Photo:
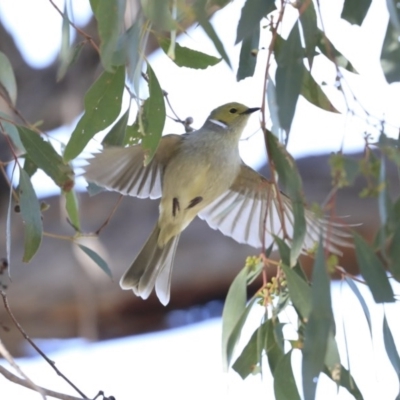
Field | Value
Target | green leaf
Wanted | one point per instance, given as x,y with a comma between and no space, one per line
372,270
11,131
46,158
300,292
30,212
132,134
390,55
116,136
29,166
284,383
72,207
248,55
273,350
102,106
154,115
8,219
234,307
314,94
308,19
199,9
360,298
97,259
159,14
291,181
394,13
327,48
390,346
354,11
318,326
394,254
250,358
7,79
65,51
253,12
332,358
110,18
185,57
289,76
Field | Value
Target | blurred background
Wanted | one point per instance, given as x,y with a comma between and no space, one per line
104,338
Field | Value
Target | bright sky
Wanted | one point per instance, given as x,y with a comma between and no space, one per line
186,362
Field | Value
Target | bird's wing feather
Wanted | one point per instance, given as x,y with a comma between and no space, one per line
251,212
122,169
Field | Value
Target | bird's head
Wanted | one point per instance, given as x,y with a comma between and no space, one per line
231,116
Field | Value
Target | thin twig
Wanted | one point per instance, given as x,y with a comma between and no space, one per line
30,341
105,223
28,382
43,391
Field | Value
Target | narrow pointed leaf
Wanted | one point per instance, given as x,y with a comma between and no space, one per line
132,134
314,94
72,208
327,48
252,13
11,130
46,158
390,55
284,383
394,13
30,212
65,51
289,76
248,55
7,79
332,358
372,270
116,136
159,14
394,254
235,305
109,16
250,358
347,381
353,286
102,106
202,18
318,326
308,19
390,346
97,259
300,292
8,221
154,115
291,181
273,350
185,57
354,11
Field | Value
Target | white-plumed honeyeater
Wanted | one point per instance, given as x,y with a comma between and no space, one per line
200,173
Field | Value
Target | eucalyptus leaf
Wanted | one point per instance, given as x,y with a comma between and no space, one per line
153,117
116,136
102,106
253,12
202,18
318,327
65,51
248,55
390,55
354,11
284,383
11,130
31,215
308,20
159,14
72,208
110,18
372,270
97,259
7,79
390,346
273,350
46,158
185,57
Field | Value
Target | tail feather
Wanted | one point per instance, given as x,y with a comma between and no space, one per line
152,267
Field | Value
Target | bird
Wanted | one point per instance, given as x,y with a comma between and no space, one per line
201,174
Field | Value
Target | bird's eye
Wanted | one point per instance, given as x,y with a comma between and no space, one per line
233,110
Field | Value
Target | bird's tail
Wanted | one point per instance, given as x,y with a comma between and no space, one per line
152,267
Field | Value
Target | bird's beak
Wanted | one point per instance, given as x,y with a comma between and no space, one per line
251,110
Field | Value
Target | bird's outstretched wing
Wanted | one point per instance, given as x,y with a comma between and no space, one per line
251,212
121,169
